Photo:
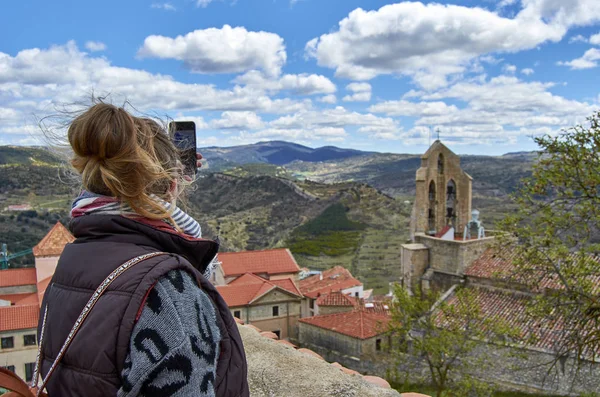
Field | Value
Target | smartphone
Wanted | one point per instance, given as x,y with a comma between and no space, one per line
183,135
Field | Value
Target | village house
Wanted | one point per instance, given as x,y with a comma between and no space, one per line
21,293
360,333
271,305
336,279
275,264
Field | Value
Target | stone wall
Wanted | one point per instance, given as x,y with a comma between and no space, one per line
452,256
414,259
334,341
509,369
324,310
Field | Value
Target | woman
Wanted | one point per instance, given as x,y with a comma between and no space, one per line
161,329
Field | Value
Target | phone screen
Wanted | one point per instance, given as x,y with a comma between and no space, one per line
183,134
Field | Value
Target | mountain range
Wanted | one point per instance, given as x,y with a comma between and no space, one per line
330,206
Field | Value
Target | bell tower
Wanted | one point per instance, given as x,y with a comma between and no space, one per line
443,193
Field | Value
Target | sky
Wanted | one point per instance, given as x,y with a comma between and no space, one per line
486,75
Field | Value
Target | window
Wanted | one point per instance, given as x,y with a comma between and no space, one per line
356,294
275,311
238,314
10,368
311,303
29,367
378,345
29,340
7,343
278,333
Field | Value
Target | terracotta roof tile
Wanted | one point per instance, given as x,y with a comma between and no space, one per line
358,324
19,317
54,242
511,309
335,299
500,265
334,279
249,287
275,261
18,277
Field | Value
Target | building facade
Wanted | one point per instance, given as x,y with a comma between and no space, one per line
21,293
271,305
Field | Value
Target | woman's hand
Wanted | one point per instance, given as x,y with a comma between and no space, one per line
198,165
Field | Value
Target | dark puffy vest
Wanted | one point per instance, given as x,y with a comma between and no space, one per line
93,363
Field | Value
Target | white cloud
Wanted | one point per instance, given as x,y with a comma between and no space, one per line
225,50
527,71
164,6
301,84
406,108
496,111
35,81
338,117
587,61
595,39
328,99
95,46
203,3
431,42
578,38
361,92
237,121
506,3
509,68
329,134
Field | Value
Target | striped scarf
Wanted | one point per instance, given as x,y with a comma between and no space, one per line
94,204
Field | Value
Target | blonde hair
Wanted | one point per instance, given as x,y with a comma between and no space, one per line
127,157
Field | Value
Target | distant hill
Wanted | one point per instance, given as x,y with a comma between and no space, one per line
273,152
18,155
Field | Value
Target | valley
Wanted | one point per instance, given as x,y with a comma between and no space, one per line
351,210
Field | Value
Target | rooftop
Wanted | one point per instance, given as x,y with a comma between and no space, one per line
332,280
18,277
274,261
360,324
19,317
336,299
54,242
248,288
509,308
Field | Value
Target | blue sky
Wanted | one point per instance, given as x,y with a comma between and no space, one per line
371,75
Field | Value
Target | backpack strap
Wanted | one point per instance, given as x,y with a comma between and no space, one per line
84,313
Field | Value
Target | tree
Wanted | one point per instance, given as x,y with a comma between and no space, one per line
444,334
557,231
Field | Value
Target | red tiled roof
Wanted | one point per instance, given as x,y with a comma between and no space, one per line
358,324
334,279
443,231
18,277
19,317
249,287
274,261
21,299
510,309
500,265
54,242
335,299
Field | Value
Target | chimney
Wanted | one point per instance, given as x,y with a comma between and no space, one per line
320,276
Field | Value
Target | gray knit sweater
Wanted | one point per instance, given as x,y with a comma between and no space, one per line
174,346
